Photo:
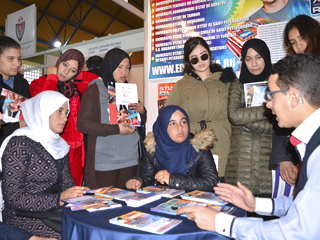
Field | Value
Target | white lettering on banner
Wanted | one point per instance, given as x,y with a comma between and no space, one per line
167,69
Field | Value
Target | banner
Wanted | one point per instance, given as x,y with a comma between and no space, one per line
22,27
225,25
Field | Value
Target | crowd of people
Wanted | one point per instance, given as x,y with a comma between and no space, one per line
66,145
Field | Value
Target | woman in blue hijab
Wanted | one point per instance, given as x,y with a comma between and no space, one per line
176,158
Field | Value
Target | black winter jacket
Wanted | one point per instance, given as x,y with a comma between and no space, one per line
201,174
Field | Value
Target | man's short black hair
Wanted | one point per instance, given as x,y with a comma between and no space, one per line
94,62
301,71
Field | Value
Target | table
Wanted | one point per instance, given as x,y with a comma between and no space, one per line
84,225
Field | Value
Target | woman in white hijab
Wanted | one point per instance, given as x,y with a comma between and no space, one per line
36,176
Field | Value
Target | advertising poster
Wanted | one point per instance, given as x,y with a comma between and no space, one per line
164,90
22,27
225,25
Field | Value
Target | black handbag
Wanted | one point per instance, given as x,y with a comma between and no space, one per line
51,218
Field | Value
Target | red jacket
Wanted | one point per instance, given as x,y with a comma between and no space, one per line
70,134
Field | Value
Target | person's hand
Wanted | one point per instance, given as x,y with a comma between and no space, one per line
122,116
204,217
239,196
163,177
133,184
137,107
1,116
76,191
288,172
41,238
126,128
52,70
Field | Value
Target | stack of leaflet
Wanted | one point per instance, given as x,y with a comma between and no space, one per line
163,191
133,199
113,192
145,222
91,203
139,199
202,196
171,206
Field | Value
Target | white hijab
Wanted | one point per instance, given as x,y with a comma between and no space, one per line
36,112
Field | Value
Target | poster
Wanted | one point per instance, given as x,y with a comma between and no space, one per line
164,90
225,25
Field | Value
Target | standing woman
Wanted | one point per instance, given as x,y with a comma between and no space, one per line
203,94
113,154
60,78
251,139
36,176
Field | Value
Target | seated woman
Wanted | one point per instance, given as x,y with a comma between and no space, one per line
36,176
173,158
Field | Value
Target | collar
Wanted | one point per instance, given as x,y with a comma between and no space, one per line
307,128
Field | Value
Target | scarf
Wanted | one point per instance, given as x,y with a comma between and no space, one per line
36,112
111,61
260,47
172,156
68,88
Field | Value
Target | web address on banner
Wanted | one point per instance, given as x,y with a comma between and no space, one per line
167,69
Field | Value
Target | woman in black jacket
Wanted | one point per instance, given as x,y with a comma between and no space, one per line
173,158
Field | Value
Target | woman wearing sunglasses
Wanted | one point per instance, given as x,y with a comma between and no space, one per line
251,136
203,94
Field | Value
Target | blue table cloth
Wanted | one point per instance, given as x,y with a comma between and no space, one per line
81,225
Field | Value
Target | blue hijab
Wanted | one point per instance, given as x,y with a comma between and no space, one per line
172,156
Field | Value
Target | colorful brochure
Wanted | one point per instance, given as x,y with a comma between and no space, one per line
10,103
255,93
113,192
145,222
171,206
139,199
163,191
202,196
91,203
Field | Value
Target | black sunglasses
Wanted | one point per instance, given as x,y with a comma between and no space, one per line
203,57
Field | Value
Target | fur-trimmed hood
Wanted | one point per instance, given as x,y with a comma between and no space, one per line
200,141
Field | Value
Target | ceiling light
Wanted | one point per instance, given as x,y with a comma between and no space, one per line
57,44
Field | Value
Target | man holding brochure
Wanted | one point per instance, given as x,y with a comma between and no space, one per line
294,97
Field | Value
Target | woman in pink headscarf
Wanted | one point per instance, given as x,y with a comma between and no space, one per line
60,78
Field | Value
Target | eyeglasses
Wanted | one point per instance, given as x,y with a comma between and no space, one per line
203,57
269,94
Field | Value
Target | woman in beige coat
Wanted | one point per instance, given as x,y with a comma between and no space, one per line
203,94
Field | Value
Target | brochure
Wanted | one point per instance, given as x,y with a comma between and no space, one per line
171,206
11,105
139,199
202,196
163,191
91,203
113,192
145,222
119,110
255,93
